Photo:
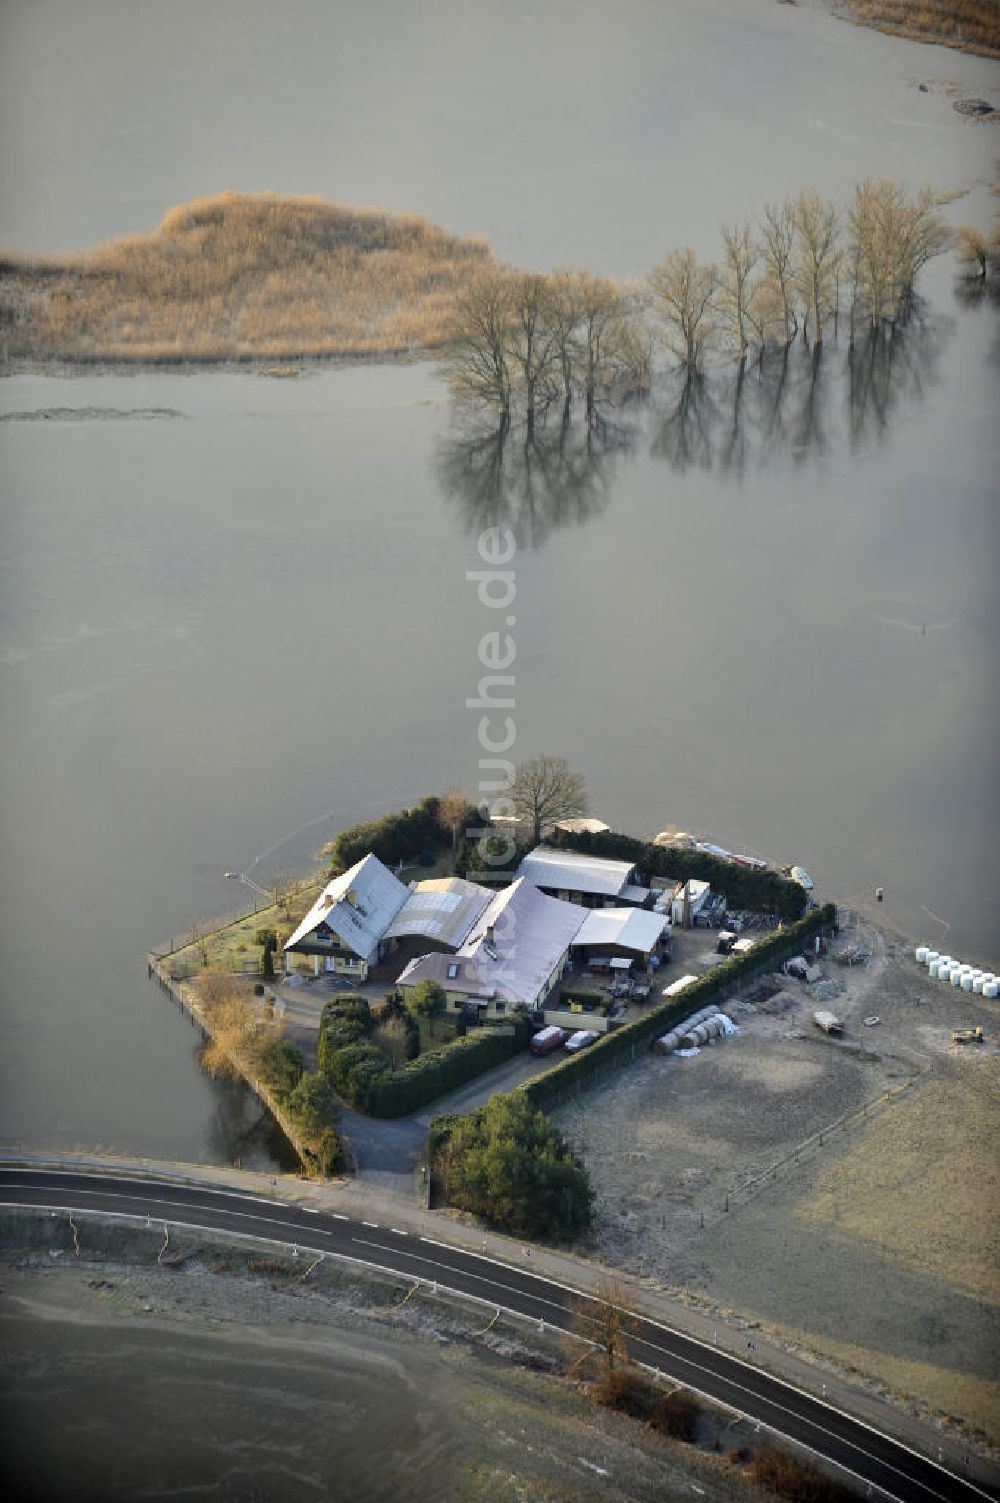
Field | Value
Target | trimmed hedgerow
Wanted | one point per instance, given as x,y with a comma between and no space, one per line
360,1072
764,890
438,1071
573,1070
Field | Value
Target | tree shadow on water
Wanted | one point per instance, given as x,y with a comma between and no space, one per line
799,404
558,476
241,1131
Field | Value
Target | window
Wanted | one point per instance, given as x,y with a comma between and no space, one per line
501,1007
452,970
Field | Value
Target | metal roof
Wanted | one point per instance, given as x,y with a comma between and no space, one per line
545,867
512,949
630,928
584,826
358,906
440,908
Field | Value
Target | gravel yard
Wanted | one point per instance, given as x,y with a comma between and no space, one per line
839,1191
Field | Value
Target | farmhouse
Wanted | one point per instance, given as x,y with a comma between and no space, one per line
344,929
592,881
512,957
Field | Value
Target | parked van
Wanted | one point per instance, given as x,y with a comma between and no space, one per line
547,1040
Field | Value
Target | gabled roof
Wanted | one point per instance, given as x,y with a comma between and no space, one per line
545,867
512,949
440,908
630,928
358,906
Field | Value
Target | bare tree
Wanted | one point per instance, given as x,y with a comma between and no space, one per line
454,809
777,293
476,357
973,248
817,258
683,294
532,348
545,790
606,1322
738,288
892,237
564,313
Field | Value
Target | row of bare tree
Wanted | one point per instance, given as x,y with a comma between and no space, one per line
525,341
519,338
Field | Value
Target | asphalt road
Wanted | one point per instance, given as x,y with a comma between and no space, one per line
871,1456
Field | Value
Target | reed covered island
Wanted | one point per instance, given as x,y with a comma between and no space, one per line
242,276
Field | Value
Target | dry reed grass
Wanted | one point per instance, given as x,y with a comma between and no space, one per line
240,276
968,25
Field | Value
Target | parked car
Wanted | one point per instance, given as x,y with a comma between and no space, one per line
580,1040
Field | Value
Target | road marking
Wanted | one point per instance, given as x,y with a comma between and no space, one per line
372,1224
804,1420
399,1231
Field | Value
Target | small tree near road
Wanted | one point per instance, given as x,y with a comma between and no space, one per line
606,1322
545,790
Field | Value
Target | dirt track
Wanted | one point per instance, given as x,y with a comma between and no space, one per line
859,1174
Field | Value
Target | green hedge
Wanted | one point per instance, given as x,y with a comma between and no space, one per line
437,1071
360,1072
403,836
766,891
623,1041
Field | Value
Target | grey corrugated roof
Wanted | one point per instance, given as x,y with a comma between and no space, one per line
632,928
545,867
530,935
441,908
378,897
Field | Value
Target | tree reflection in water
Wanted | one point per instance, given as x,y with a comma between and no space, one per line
558,476
798,406
242,1132
799,403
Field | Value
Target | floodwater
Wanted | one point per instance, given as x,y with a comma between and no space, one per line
765,614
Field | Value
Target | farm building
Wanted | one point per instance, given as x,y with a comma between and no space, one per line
513,956
631,933
592,881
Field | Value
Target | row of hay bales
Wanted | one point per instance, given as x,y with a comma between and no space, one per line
693,1032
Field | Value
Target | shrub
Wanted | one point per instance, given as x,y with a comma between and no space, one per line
281,1066
404,836
266,938
625,1389
509,1165
312,1104
258,988
676,1414
797,1481
344,1020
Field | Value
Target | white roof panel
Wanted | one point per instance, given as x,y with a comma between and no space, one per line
631,928
357,906
568,870
442,908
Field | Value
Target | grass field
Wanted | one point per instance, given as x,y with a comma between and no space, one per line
843,1194
241,276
